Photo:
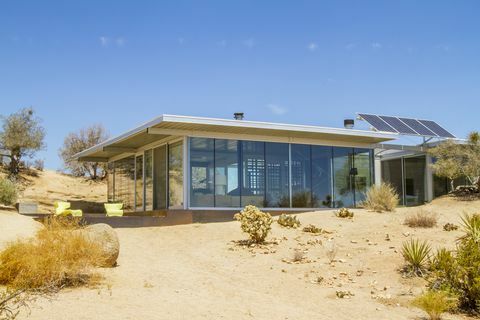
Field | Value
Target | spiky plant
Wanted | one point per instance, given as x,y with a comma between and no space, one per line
434,303
471,227
416,255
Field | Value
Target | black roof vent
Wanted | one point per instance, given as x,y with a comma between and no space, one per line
348,123
238,115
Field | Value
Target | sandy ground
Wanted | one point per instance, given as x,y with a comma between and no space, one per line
14,226
197,272
50,186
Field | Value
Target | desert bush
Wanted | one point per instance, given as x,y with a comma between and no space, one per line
56,257
8,192
381,198
434,303
344,213
450,227
288,221
471,227
255,222
421,219
416,256
298,255
312,229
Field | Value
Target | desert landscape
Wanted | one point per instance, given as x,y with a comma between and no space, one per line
205,271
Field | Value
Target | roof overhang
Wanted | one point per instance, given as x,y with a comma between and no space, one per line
166,126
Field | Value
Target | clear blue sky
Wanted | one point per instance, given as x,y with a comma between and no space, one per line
121,63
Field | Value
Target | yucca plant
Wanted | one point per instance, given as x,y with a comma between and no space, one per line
471,227
416,254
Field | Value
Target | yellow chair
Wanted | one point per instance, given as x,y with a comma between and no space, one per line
114,209
62,208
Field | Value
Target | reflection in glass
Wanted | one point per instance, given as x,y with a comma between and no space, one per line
139,183
363,173
321,176
125,182
110,181
301,176
149,180
175,175
227,187
392,174
253,175
201,172
160,178
414,180
342,183
277,175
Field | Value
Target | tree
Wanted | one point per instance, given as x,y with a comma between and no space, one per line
76,142
21,135
454,160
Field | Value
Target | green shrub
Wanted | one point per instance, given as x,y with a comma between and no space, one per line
344,213
471,227
416,255
312,229
8,192
255,222
421,219
381,198
434,303
288,221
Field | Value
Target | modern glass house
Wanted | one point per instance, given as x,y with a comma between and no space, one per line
192,163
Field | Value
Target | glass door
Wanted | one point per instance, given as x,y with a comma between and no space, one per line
160,178
139,183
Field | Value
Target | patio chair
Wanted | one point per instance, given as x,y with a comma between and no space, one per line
114,209
62,208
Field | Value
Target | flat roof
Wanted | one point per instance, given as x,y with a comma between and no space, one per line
174,125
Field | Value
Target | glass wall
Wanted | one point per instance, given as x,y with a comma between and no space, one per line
392,173
160,178
227,187
301,167
125,182
175,175
321,176
277,175
110,181
202,172
148,180
414,170
253,173
139,183
342,177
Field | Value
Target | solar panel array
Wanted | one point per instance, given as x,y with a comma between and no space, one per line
407,126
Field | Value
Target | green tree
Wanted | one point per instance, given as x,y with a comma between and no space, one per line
76,142
22,136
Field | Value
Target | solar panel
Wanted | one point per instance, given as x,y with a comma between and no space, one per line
398,125
436,128
418,127
407,126
377,123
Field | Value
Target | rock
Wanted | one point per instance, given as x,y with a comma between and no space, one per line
107,238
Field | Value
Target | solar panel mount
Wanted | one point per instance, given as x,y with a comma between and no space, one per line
406,126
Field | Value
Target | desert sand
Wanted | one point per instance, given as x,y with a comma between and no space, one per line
196,271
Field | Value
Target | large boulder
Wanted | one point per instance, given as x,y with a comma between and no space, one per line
106,237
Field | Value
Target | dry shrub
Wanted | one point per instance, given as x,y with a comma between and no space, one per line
56,257
288,221
255,222
421,219
450,227
381,198
344,213
434,303
312,229
298,256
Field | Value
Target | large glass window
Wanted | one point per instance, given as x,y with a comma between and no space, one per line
227,186
160,178
277,175
253,173
149,180
321,176
175,175
414,180
110,181
342,183
139,183
201,172
392,174
363,173
301,176
125,182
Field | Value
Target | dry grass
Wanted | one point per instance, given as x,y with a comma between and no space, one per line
58,256
421,219
381,198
